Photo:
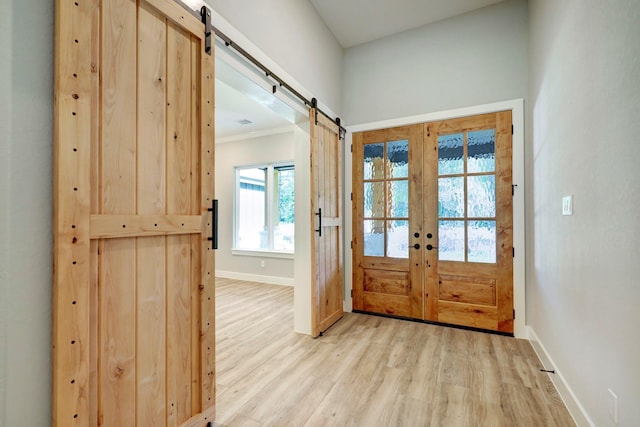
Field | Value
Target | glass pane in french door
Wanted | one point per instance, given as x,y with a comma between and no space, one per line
467,196
386,199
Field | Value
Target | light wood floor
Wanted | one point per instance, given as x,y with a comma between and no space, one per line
369,371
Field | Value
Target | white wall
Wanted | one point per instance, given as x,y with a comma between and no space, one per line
26,49
292,34
473,59
266,149
6,39
583,284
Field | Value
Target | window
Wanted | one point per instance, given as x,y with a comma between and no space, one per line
264,200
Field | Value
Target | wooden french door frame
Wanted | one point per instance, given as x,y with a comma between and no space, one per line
516,106
432,279
326,223
474,294
390,285
133,283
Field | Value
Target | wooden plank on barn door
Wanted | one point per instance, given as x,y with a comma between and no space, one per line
326,217
133,339
152,181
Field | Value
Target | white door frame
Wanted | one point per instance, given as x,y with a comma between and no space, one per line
517,110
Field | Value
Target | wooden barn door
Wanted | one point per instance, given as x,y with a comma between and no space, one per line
326,222
133,304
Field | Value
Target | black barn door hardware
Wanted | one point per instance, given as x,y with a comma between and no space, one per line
205,14
267,72
214,226
319,229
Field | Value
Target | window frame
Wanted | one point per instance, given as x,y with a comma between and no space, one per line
270,210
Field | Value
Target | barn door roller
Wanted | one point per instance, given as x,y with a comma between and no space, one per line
205,14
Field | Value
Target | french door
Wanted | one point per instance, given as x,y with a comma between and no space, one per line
433,222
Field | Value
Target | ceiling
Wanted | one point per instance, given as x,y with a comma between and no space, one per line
237,114
354,22
244,109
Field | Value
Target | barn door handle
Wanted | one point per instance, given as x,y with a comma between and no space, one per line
429,247
214,226
319,215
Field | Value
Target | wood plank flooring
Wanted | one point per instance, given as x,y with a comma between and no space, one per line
369,371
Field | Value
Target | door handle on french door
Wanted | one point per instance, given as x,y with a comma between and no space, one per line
214,226
319,229
429,247
416,246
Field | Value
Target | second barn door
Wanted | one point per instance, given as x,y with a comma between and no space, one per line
326,223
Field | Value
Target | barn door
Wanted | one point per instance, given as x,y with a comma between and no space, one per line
133,302
326,223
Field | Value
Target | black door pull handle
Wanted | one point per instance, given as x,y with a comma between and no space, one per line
429,247
416,246
319,230
214,227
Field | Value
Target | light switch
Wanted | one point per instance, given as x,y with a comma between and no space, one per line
567,205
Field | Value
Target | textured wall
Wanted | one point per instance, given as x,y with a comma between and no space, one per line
583,271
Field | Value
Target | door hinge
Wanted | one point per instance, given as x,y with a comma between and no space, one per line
514,313
205,15
351,148
352,244
511,129
351,293
513,189
351,196
513,252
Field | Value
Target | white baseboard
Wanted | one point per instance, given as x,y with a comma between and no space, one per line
577,411
271,280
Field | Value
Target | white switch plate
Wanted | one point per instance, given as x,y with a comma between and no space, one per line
567,205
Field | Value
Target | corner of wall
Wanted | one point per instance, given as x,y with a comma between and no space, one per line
6,40
302,263
27,33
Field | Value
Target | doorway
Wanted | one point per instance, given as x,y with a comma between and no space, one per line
433,222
